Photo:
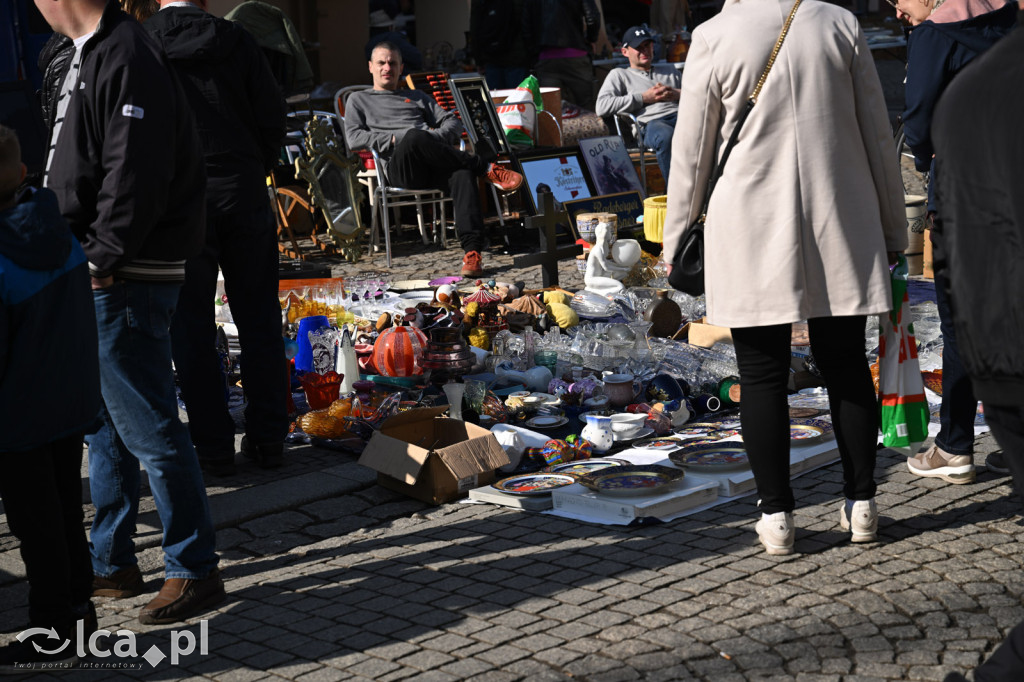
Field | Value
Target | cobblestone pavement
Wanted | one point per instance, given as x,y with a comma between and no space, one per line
331,577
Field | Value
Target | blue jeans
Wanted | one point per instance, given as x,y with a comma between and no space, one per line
504,77
658,136
956,415
140,424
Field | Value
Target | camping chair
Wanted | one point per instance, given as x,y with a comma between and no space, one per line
628,123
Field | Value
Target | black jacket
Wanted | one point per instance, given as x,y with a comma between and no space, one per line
54,60
238,106
979,155
49,362
128,169
560,23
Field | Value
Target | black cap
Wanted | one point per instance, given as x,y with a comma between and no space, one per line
635,36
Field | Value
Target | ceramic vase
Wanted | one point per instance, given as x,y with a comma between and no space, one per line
599,432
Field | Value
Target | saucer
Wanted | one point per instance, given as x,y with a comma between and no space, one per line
546,422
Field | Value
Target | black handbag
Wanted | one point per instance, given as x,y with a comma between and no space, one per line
688,265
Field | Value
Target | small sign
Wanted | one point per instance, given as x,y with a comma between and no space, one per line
628,206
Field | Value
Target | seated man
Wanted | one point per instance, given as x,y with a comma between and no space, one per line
419,137
647,91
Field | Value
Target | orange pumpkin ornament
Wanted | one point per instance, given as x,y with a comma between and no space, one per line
398,350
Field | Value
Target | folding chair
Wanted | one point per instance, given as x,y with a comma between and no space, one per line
628,123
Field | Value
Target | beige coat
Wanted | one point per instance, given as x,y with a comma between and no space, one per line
811,197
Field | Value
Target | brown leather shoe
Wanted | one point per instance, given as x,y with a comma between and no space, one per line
181,598
121,584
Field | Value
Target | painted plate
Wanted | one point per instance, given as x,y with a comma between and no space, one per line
805,412
933,381
669,443
452,279
642,433
546,422
711,457
634,479
705,431
410,284
809,429
533,484
585,466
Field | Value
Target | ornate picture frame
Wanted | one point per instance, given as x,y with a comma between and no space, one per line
477,110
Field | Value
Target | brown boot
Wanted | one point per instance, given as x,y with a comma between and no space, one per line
121,584
181,598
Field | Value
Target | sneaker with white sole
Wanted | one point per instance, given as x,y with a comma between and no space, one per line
860,517
937,463
776,533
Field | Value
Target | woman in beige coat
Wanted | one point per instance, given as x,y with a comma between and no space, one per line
798,226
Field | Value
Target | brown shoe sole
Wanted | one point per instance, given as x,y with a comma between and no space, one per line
147,618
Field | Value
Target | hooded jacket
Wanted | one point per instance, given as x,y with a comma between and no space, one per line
935,54
239,110
127,170
49,362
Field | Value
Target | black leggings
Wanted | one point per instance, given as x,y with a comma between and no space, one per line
763,354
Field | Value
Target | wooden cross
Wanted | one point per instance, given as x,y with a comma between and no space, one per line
550,253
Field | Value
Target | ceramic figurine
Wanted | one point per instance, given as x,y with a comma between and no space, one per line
599,432
603,276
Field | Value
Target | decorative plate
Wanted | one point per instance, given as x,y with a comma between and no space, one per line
642,433
440,281
410,284
634,479
533,484
711,457
809,429
585,466
705,431
546,398
933,381
669,443
546,422
805,412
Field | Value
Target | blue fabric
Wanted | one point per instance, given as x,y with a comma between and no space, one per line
140,424
504,77
47,328
658,136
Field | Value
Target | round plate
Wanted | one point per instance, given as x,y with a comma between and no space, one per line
669,443
711,457
634,479
805,412
410,284
533,484
642,433
809,429
933,381
546,422
546,398
411,298
585,466
440,281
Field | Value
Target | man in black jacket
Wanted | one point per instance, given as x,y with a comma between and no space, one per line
125,164
240,117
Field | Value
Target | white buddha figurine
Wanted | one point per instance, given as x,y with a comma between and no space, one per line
603,275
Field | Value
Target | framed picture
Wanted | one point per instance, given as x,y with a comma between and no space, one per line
626,205
609,164
559,171
479,116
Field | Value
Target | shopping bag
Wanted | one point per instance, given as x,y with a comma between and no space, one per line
518,113
903,408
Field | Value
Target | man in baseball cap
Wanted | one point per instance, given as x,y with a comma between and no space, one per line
649,92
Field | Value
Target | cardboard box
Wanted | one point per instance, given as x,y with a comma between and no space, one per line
706,335
579,502
432,458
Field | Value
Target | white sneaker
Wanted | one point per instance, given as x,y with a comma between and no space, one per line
861,518
776,533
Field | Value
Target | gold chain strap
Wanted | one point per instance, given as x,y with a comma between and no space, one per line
775,52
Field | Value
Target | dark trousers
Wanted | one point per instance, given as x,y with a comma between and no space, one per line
244,245
42,494
573,75
959,405
763,355
424,161
1007,424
